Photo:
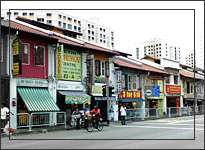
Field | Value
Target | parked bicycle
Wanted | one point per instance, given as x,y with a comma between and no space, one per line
92,123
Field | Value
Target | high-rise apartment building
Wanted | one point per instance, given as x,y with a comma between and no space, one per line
190,59
158,48
90,30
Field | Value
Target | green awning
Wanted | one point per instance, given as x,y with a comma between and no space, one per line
38,99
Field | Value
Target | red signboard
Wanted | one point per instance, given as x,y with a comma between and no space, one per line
131,94
173,89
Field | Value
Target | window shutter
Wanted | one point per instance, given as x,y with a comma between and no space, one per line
107,72
97,67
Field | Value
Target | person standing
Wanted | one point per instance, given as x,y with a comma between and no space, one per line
86,113
123,114
68,116
4,112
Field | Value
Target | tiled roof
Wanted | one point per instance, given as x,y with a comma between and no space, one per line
66,41
149,56
187,73
17,26
144,67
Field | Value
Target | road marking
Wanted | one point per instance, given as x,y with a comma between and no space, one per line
155,127
163,123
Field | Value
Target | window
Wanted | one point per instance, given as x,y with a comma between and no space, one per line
75,28
159,44
16,13
59,16
159,47
64,25
88,26
64,17
135,84
102,68
88,38
48,21
31,14
104,36
112,39
97,67
104,41
79,29
188,87
26,51
59,23
39,53
70,26
168,80
40,19
92,33
88,32
129,82
93,26
175,79
192,88
24,14
100,29
151,45
79,23
49,14
154,82
93,38
2,50
156,44
103,30
100,35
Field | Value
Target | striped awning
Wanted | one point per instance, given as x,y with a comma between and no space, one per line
132,99
37,99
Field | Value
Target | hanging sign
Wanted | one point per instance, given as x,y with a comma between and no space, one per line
17,57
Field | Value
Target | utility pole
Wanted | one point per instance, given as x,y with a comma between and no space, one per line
108,102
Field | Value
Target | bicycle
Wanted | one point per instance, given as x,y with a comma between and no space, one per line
93,124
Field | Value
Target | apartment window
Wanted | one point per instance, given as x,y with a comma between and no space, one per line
64,25
156,48
24,14
100,35
26,51
75,28
159,47
2,50
151,52
175,79
79,29
48,21
75,21
49,14
88,38
79,23
64,17
104,36
103,41
100,29
88,32
151,45
69,19
156,44
92,26
92,33
159,44
70,26
88,26
59,16
100,41
92,38
103,30
59,23
31,14
16,13
112,38
39,54
40,19
112,33
148,46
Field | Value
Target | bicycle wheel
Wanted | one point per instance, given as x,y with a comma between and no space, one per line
90,126
100,126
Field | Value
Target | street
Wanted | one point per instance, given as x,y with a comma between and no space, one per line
135,135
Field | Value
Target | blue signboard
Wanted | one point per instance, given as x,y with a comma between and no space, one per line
156,91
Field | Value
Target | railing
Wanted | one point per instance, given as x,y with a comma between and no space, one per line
145,113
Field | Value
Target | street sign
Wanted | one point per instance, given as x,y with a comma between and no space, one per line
156,91
149,91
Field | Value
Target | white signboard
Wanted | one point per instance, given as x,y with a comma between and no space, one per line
32,82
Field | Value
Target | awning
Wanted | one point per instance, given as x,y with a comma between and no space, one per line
189,99
76,97
37,99
131,99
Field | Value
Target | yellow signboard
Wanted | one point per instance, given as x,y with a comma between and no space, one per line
17,57
160,106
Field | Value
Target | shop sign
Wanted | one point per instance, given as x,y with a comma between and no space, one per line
160,106
68,64
161,97
77,100
155,77
100,98
32,82
90,73
17,57
67,86
131,94
97,89
100,79
189,96
152,91
173,89
119,80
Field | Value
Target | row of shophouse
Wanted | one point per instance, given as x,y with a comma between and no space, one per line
42,70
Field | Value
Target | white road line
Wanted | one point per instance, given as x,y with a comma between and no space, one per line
155,127
199,118
164,124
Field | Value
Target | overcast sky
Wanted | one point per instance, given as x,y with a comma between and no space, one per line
134,26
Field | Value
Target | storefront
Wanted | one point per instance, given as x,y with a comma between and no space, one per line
71,96
188,100
173,95
33,96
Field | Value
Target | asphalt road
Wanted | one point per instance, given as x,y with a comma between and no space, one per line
169,133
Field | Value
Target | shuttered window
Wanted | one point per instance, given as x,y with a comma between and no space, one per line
97,67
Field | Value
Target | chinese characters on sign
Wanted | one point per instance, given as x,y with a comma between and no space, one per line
90,73
173,89
17,57
119,79
68,66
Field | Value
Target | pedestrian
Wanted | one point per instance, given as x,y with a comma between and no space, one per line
68,116
4,112
123,114
86,113
78,117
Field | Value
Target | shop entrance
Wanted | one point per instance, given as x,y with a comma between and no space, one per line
171,102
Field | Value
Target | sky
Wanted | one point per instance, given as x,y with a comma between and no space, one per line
133,26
